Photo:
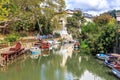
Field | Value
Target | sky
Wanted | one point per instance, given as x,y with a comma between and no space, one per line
94,7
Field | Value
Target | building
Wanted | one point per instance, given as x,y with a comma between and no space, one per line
88,17
63,20
118,17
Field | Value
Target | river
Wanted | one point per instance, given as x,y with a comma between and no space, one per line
63,63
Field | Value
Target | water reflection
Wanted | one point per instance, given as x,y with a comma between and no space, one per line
57,64
66,51
90,76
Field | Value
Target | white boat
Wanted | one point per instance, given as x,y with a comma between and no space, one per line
35,50
51,41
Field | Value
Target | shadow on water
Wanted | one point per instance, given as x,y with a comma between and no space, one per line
58,64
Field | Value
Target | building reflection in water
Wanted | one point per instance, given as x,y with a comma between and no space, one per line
65,51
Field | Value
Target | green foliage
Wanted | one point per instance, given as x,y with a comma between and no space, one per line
83,45
35,15
90,27
106,40
76,20
74,23
57,34
23,34
102,39
102,20
11,38
4,10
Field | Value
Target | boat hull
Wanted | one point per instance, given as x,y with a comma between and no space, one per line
101,56
35,50
116,72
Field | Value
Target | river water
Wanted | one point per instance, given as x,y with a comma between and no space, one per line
63,63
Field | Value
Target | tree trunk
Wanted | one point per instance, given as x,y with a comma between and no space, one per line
40,30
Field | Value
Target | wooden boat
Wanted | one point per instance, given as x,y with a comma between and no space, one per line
43,44
12,52
116,72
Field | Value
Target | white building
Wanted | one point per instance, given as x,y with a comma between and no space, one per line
63,20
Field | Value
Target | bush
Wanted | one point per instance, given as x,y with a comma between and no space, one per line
23,34
56,34
83,45
11,38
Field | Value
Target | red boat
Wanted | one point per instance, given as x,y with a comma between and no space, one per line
117,65
12,52
76,45
43,44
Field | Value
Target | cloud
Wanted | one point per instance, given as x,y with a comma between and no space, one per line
95,6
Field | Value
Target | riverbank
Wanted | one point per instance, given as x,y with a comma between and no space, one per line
27,43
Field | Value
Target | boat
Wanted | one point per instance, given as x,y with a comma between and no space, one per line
110,61
76,45
117,65
35,50
51,41
101,56
116,72
43,44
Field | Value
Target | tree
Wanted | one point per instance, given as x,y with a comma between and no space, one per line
38,12
102,20
76,20
4,10
74,23
55,8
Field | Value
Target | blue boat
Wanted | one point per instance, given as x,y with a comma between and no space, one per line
35,50
101,56
116,72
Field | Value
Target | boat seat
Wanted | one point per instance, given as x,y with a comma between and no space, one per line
16,48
